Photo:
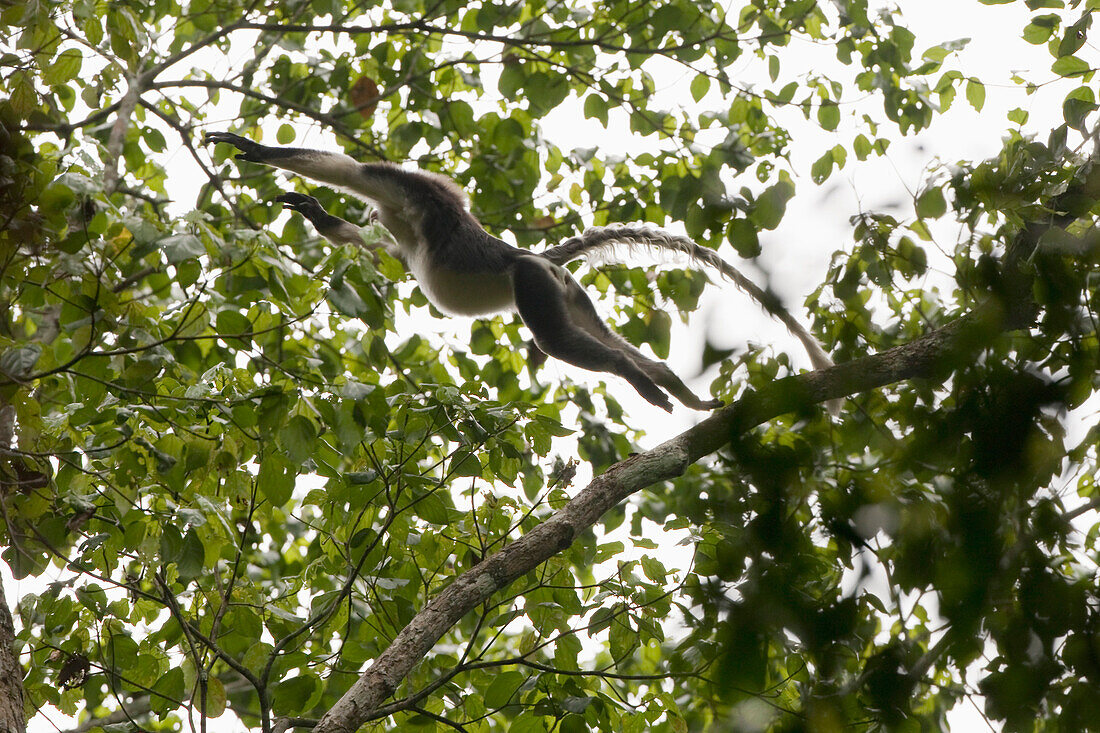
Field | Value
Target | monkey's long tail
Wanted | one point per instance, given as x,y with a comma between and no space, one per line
606,239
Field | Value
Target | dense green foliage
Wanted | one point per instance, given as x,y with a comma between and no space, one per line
238,480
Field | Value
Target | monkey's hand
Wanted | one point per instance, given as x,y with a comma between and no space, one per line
301,203
250,150
312,210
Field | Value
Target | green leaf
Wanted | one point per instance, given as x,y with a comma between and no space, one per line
192,556
699,87
828,115
608,550
622,638
931,204
741,233
528,723
180,247
511,79
938,53
502,689
285,134
771,205
297,438
786,94
1069,66
232,323
275,479
171,543
465,463
65,67
1077,105
975,94
1038,34
215,698
346,299
359,478
432,508
93,29
653,569
659,333
23,98
861,146
293,696
595,107
1075,36
19,363
822,168
170,691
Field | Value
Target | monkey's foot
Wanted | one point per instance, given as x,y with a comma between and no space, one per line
652,393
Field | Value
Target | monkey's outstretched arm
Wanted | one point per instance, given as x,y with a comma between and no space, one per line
335,169
333,228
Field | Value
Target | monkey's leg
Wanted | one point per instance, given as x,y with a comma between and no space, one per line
543,304
584,314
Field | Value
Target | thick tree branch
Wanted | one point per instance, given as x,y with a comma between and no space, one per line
12,719
126,106
934,355
926,357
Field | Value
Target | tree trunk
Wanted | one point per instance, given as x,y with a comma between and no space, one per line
12,719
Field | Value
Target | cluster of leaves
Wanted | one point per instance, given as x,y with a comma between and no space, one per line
238,479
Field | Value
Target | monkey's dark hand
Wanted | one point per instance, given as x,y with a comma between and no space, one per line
250,150
307,206
299,202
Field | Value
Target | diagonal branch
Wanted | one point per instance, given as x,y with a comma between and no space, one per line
927,356
936,354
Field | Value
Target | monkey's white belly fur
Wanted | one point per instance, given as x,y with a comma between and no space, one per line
465,293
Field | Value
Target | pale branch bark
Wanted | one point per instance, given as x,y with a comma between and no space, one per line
111,174
136,85
322,118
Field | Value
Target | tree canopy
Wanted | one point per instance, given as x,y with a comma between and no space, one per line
248,488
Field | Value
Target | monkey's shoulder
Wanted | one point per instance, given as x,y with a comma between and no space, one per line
420,188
